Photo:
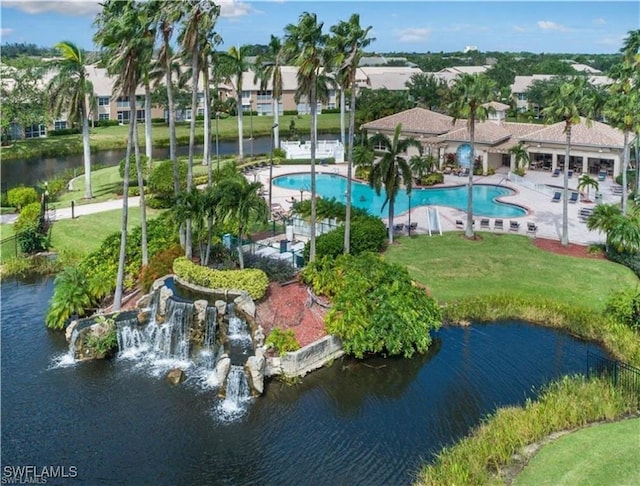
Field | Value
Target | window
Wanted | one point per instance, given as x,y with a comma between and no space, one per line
332,93
140,115
103,116
123,117
103,101
522,96
59,125
122,102
246,94
265,109
264,95
35,131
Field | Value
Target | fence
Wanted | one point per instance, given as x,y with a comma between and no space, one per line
623,376
9,248
521,181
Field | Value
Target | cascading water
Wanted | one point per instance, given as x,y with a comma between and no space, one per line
237,394
68,358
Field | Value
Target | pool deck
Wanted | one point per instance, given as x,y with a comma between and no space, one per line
547,215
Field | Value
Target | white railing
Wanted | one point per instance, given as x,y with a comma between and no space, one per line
521,181
324,149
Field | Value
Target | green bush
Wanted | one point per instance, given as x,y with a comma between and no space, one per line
20,196
161,179
28,218
363,172
279,153
71,297
328,160
283,341
31,240
624,307
251,280
133,173
432,179
105,123
56,187
376,308
160,264
64,131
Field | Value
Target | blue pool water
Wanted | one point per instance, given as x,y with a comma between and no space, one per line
485,197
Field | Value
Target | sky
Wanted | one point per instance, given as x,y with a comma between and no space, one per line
398,26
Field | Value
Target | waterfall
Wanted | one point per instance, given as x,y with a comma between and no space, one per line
210,327
237,394
180,317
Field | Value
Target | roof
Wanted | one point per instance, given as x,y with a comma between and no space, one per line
585,68
486,132
415,120
465,69
497,106
590,134
393,78
522,83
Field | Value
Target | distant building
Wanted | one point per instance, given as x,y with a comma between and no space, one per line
470,48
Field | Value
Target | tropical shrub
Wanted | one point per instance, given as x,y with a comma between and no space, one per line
624,307
133,173
251,280
29,218
376,308
19,197
368,233
160,182
283,341
432,179
70,297
160,264
56,187
31,240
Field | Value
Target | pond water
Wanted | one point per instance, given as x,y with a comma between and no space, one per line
368,423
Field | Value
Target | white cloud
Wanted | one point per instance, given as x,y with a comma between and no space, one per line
611,40
519,28
67,7
231,8
412,34
5,31
599,21
549,25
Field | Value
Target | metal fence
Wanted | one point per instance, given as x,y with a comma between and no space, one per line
9,248
622,375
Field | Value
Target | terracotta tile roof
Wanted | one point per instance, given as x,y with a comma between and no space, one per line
415,120
597,134
496,105
485,132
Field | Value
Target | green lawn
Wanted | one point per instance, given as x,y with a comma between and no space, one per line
104,138
85,234
453,267
601,455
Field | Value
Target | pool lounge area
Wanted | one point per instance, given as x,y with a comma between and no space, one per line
535,206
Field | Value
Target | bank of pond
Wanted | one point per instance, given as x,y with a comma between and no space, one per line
373,421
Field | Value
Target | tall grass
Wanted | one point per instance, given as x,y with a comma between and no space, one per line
481,458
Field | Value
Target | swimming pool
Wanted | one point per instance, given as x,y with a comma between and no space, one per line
485,201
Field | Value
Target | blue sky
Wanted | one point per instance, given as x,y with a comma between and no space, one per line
410,26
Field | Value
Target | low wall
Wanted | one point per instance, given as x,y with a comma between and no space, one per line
309,358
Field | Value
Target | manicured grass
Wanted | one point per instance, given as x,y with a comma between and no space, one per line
453,267
103,138
604,454
85,234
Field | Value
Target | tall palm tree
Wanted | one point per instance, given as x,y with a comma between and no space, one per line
200,17
304,44
269,71
240,200
568,102
350,40
71,92
392,169
623,231
470,93
234,63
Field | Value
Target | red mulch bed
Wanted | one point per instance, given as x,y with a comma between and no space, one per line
286,307
572,249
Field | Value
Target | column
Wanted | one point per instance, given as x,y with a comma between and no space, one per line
554,161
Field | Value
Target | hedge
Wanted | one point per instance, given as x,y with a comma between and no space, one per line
251,280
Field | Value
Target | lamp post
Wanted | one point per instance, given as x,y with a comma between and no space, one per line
217,144
251,126
301,191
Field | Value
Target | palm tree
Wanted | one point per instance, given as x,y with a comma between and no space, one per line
392,170
234,63
522,157
200,18
269,71
71,92
421,165
470,93
569,101
623,231
241,201
349,39
588,182
304,44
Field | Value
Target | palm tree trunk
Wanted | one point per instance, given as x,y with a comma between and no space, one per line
117,296
276,123
390,218
148,140
136,150
172,120
240,255
192,139
564,239
468,232
88,193
626,155
342,107
314,123
206,151
352,125
240,134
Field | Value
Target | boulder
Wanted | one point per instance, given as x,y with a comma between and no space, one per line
176,376
258,337
244,304
94,342
165,293
144,302
200,312
255,368
221,307
68,333
222,368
